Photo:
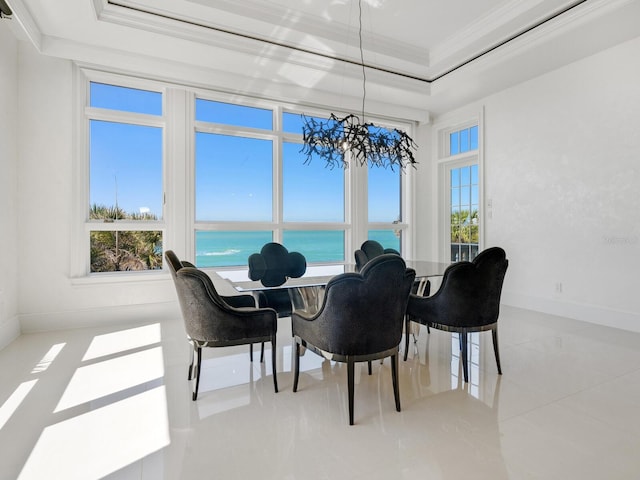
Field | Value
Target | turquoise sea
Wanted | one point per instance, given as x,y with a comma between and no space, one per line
225,249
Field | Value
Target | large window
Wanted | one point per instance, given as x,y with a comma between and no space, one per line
168,166
254,184
125,210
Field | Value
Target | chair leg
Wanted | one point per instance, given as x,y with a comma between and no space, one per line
494,334
296,367
197,372
350,382
193,359
394,378
262,352
407,326
273,361
251,352
369,366
463,355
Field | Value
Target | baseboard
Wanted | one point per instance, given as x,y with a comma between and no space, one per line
577,311
121,314
9,331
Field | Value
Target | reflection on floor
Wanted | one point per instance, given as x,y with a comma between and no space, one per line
114,403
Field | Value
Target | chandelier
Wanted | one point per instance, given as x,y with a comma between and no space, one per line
366,143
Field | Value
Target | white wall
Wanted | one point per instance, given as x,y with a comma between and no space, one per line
9,325
48,298
562,162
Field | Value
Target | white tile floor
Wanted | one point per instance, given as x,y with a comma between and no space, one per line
114,403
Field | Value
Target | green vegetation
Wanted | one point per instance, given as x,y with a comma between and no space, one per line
115,251
464,226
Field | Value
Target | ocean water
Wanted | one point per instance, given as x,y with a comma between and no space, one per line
226,249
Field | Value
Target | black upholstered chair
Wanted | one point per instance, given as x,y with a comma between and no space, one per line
371,249
360,320
212,320
368,250
273,266
468,300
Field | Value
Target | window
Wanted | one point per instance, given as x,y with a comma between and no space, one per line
125,211
384,203
231,114
168,165
462,141
463,185
234,178
316,245
460,183
228,248
318,200
250,174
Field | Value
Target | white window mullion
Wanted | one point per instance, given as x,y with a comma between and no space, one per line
278,194
79,247
178,184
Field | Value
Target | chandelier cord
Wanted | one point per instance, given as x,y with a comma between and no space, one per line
364,74
340,141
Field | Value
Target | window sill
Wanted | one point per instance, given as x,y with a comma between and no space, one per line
120,278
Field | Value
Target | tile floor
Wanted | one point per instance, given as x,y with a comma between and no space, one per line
115,403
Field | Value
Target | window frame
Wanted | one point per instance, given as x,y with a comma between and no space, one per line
178,224
80,258
355,224
447,162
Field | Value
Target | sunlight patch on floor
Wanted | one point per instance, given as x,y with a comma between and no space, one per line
12,403
48,358
123,340
102,441
97,380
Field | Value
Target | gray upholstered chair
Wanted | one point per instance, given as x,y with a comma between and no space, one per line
360,320
368,250
273,266
468,300
212,320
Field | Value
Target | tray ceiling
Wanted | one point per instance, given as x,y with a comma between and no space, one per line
429,47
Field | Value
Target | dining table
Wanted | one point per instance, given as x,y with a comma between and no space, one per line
307,291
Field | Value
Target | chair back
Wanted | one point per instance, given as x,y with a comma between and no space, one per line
204,312
469,295
173,261
364,311
274,264
368,251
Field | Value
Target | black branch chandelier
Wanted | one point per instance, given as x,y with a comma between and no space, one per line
365,143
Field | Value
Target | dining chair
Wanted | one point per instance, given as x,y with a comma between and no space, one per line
273,266
369,250
213,320
360,320
468,300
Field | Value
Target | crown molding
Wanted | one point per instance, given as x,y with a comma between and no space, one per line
274,14
335,43
23,16
566,19
482,27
